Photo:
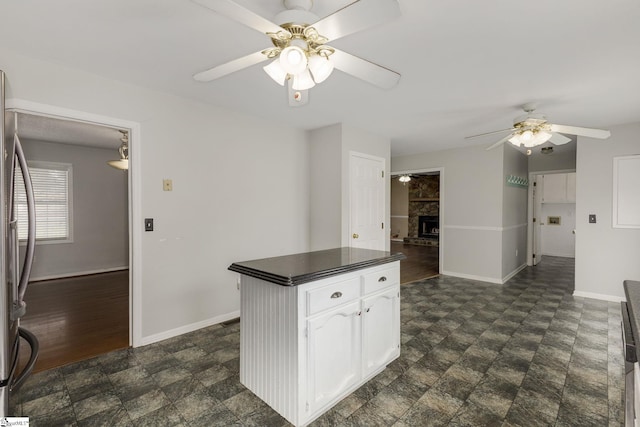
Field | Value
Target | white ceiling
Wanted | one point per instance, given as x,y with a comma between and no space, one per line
50,129
467,65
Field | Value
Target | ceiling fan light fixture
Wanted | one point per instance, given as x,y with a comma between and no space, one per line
293,60
276,72
123,162
303,81
529,138
321,67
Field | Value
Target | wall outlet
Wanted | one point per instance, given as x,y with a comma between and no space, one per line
167,185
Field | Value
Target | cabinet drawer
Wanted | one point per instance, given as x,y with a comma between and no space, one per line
332,295
381,279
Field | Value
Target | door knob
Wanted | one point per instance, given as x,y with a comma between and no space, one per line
355,235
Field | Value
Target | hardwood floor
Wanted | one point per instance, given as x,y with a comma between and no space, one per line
77,318
422,261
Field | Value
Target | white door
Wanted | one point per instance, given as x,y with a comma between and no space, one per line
333,354
380,329
367,202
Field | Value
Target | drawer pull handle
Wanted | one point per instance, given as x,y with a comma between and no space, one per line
336,295
382,279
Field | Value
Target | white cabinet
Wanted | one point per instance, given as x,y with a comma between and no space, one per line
559,188
304,348
381,329
333,354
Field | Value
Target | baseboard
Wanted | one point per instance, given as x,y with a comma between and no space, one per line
78,273
472,277
513,273
188,328
603,297
559,255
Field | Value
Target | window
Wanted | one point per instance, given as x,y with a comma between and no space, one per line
52,194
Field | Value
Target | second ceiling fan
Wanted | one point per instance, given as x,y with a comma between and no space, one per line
300,55
533,129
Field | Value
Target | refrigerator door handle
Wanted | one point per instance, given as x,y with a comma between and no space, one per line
18,307
31,215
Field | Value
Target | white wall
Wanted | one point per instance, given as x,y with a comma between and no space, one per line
558,240
514,213
564,160
325,174
604,256
100,213
471,208
330,149
240,190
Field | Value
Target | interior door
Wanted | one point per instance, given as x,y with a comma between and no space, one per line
367,202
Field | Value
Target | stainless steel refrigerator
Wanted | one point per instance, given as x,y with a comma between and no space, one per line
14,275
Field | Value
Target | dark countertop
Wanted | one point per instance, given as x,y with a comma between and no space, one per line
632,291
293,270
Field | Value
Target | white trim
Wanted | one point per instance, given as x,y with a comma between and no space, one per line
509,276
399,216
473,277
188,328
135,195
472,227
603,297
484,228
616,177
564,255
78,273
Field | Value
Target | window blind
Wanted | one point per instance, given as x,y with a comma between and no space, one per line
51,194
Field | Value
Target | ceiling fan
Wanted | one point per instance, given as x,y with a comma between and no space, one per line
532,129
299,52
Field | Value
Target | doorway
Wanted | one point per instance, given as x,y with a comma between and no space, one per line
416,223
552,215
78,300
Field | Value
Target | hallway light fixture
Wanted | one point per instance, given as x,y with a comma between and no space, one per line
404,179
123,162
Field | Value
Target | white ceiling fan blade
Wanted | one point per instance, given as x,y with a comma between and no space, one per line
240,14
230,67
365,70
574,130
502,141
489,133
357,17
558,139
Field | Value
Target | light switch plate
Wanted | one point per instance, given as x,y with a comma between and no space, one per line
592,218
148,224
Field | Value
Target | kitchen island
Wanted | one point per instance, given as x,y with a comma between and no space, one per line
316,326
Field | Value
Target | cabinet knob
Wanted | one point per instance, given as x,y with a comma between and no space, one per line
355,235
382,279
336,295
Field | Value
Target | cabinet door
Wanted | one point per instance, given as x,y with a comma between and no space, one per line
571,187
554,189
380,329
333,354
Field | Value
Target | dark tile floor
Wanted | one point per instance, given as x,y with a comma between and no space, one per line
527,353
